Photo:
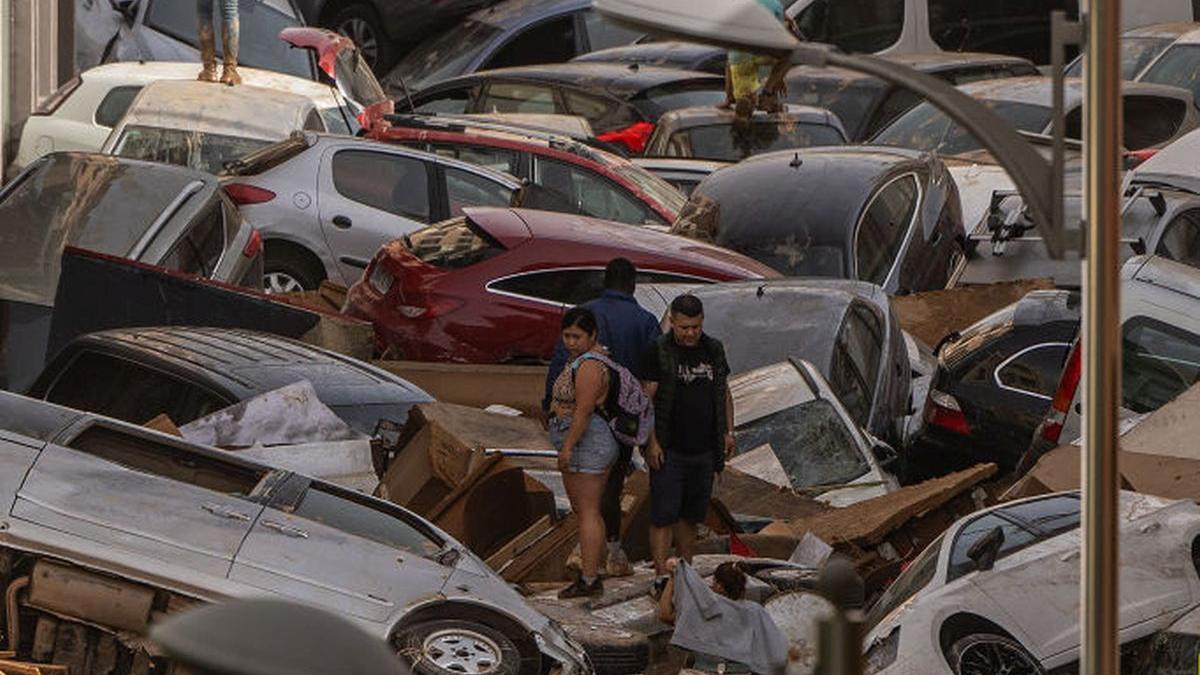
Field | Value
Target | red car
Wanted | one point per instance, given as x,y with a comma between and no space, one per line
491,286
572,176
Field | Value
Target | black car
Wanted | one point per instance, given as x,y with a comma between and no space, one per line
866,104
135,374
994,383
622,103
666,54
886,216
846,329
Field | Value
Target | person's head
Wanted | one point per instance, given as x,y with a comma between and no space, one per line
730,581
578,330
620,275
687,320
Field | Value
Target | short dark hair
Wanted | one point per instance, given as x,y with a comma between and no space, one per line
732,579
620,275
581,317
688,305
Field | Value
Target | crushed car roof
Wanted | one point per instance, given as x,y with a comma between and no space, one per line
245,111
619,80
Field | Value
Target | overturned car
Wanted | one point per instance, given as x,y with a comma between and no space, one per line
164,524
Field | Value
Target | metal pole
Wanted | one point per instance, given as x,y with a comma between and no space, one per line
1102,355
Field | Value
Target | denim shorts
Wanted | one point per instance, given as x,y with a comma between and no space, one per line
596,450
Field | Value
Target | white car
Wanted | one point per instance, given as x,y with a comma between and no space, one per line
998,592
81,114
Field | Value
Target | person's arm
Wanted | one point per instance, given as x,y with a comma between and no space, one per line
650,376
589,380
666,602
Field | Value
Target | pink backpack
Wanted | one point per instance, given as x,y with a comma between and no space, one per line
627,408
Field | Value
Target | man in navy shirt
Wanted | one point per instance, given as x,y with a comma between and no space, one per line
626,331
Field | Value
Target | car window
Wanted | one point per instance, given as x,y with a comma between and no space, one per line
392,183
449,102
496,159
1181,239
863,336
654,102
453,244
1151,120
443,57
850,384
260,46
730,143
552,41
603,33
929,129
570,287
198,150
602,113
1034,371
1047,517
898,102
157,458
883,226
1179,66
1017,27
464,189
518,97
114,104
129,391
589,193
1136,54
1015,538
313,121
363,517
199,249
865,27
812,443
919,573
1158,362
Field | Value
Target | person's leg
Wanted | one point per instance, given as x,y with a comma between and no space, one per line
588,489
617,564
666,500
697,475
230,38
685,540
660,544
208,41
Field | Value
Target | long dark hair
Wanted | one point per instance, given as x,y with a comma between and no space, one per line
580,317
732,579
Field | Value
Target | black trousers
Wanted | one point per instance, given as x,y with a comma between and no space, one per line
610,501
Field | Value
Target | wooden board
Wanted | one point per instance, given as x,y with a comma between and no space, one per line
546,559
744,494
27,668
519,543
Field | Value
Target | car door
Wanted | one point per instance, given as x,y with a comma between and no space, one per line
367,197
320,544
857,369
131,492
530,304
884,230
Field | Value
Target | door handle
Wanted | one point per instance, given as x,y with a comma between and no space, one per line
224,512
343,222
285,529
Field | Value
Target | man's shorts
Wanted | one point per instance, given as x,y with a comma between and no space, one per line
681,489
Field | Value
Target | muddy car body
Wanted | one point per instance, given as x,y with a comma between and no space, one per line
684,174
491,287
711,134
874,214
664,54
173,519
1142,46
622,103
999,590
189,372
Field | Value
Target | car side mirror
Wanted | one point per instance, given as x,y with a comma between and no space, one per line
984,551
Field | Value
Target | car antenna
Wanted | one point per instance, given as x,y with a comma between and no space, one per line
796,162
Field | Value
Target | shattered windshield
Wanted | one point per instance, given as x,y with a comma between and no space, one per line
929,129
728,143
812,443
198,150
442,57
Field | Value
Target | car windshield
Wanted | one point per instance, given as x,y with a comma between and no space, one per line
659,190
851,100
812,443
728,143
442,57
916,576
1136,53
198,150
261,23
1178,67
929,129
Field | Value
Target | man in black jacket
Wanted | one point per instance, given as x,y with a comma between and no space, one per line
686,374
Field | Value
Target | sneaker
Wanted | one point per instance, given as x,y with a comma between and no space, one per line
618,565
578,589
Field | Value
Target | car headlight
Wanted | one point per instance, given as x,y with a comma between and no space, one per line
882,652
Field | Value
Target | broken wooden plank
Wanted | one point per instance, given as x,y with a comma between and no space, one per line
744,494
9,667
519,543
546,559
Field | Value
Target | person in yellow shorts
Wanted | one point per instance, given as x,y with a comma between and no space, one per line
745,88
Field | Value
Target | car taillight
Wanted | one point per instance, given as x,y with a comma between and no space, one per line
633,136
253,245
1052,428
430,307
943,411
245,195
53,101
1135,157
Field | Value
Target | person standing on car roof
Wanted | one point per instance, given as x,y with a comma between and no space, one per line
745,91
687,375
626,330
230,35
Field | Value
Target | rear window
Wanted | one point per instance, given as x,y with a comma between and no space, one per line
1151,120
199,249
452,244
727,143
194,149
654,102
112,108
929,129
850,99
262,161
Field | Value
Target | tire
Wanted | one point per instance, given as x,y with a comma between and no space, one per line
288,270
991,654
362,24
453,647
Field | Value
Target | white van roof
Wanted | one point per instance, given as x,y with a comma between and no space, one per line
243,111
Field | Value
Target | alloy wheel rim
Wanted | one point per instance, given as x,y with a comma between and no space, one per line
461,651
994,657
281,282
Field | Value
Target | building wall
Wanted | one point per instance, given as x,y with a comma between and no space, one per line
37,54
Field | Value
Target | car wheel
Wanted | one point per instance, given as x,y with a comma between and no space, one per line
453,647
285,270
360,23
990,654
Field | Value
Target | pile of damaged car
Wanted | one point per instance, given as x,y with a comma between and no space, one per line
517,338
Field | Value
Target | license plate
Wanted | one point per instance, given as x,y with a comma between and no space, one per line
381,279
